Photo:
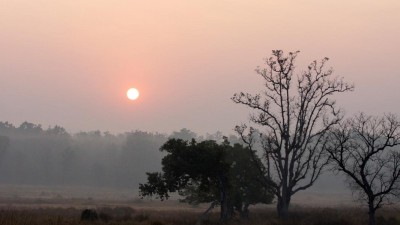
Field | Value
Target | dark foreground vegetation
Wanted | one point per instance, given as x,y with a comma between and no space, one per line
125,215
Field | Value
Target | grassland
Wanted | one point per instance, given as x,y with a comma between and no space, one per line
267,216
24,205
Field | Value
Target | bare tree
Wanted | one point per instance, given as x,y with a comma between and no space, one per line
362,148
293,115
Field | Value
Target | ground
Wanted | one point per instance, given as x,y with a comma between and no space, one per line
31,205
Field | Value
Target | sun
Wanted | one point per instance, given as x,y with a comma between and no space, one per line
132,93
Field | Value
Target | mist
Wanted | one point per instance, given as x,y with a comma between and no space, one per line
32,155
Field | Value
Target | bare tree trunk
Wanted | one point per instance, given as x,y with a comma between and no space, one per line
372,218
371,213
283,206
283,209
284,203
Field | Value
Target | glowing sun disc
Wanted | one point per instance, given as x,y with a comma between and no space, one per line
132,94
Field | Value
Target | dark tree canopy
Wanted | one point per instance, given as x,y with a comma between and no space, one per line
293,115
363,149
208,172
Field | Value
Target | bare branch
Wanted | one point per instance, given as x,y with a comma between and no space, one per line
363,148
295,119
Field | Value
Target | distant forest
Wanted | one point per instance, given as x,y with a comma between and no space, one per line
32,155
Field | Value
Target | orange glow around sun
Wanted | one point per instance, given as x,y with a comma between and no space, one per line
132,94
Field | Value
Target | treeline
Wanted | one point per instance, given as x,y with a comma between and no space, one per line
32,155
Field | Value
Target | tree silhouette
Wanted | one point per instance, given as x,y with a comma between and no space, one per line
208,172
30,128
293,115
184,134
361,148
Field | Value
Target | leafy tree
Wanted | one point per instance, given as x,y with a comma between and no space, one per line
57,130
293,114
6,126
30,128
184,134
208,172
248,185
362,149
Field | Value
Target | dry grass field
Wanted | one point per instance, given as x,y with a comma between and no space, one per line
24,205
120,215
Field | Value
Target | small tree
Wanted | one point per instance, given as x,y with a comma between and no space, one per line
208,172
293,115
362,149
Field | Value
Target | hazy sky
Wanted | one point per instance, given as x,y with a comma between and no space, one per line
70,62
